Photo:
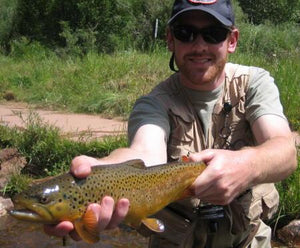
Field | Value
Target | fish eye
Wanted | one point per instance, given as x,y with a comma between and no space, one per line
44,199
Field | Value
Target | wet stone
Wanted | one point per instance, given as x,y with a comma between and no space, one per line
5,204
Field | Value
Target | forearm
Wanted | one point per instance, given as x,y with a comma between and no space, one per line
148,145
273,160
122,154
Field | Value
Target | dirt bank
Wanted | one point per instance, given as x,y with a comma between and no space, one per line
73,125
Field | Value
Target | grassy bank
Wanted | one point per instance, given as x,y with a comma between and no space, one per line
49,153
95,83
110,84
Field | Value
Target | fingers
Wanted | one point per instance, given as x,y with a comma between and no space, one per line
103,212
212,196
120,212
108,215
206,156
81,166
60,230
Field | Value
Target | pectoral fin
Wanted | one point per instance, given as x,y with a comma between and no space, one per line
154,225
87,227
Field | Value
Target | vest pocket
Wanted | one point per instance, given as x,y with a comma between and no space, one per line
269,200
182,135
261,203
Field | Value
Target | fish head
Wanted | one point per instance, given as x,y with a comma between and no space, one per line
44,203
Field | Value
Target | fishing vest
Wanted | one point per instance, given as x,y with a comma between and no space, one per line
229,130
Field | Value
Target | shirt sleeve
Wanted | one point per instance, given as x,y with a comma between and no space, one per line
148,110
262,97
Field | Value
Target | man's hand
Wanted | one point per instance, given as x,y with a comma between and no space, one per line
228,174
109,214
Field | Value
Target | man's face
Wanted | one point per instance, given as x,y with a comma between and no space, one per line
201,64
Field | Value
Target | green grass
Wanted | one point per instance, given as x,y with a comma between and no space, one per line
107,84
289,190
47,152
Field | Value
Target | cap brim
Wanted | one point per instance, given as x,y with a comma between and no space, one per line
215,14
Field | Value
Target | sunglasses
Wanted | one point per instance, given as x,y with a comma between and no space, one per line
212,34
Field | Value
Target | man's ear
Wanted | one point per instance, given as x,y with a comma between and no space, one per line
233,40
170,40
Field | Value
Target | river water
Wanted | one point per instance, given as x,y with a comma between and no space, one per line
18,234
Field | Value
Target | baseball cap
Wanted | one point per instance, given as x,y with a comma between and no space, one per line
221,9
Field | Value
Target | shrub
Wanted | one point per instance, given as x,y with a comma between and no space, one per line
269,40
275,11
82,24
7,16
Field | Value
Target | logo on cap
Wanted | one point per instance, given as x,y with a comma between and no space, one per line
203,1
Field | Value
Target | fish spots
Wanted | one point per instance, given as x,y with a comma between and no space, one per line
147,189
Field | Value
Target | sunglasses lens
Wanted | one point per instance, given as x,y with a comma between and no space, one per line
184,33
212,35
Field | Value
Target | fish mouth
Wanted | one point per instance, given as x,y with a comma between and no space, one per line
33,213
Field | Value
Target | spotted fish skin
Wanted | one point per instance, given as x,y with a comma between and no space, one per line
148,190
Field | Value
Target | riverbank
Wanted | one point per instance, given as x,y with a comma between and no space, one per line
72,125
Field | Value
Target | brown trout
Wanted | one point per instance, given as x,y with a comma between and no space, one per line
148,189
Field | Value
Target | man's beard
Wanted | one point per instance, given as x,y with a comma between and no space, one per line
208,76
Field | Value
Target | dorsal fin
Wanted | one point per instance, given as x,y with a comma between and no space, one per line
136,163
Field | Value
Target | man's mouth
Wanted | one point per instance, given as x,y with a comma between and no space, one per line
200,60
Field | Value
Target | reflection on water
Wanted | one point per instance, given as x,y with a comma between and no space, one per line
18,234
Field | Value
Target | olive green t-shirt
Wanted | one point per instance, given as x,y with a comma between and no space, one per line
262,98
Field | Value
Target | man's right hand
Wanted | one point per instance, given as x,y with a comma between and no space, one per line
109,214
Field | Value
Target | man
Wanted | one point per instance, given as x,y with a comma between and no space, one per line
228,116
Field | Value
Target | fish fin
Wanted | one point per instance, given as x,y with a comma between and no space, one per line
185,159
136,163
87,227
154,225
